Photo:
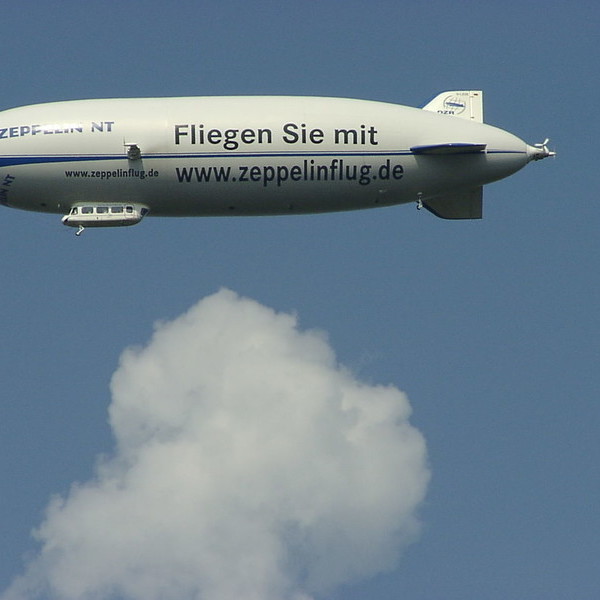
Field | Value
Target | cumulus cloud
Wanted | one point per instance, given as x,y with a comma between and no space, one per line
248,464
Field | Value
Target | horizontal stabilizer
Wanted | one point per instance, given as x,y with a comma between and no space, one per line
466,204
450,148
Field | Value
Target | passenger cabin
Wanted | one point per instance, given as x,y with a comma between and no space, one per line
104,215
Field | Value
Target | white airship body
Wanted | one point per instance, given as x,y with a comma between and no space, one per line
109,162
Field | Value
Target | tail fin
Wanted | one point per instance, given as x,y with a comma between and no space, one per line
465,104
466,204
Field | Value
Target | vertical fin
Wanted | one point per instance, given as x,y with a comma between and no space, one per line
465,104
465,204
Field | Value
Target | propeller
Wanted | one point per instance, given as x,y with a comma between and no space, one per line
543,150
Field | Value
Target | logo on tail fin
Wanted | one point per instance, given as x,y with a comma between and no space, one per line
454,105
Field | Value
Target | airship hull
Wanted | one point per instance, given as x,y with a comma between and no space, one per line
244,155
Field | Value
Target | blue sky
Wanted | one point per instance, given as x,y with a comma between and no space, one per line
490,328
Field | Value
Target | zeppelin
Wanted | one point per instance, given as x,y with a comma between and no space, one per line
111,162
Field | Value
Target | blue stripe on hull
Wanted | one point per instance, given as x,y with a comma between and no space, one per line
6,161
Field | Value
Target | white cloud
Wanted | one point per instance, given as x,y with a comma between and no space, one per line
248,464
